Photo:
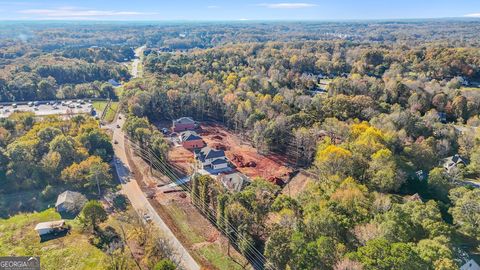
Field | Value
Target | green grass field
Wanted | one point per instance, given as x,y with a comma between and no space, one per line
212,252
110,115
73,251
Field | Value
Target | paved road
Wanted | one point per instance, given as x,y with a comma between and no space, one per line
136,61
139,202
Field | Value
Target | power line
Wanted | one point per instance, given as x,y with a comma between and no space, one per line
163,167
258,255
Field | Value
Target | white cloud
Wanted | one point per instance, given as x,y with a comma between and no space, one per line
78,13
472,15
287,5
213,6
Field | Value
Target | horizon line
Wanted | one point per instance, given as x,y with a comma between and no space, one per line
236,20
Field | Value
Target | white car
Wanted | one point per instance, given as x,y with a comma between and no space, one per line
147,218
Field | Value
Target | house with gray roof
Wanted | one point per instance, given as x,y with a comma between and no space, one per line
234,182
191,140
451,163
470,265
210,159
70,202
183,124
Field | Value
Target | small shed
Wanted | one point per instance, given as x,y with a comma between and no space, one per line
44,228
70,202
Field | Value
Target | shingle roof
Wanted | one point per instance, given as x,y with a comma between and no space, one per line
219,161
184,120
189,136
207,153
234,181
70,197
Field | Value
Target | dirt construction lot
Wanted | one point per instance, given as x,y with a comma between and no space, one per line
243,155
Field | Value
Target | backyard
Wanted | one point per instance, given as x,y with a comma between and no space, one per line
73,251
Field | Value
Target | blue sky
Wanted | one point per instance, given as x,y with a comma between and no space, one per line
208,10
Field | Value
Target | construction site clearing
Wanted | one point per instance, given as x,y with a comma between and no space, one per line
243,156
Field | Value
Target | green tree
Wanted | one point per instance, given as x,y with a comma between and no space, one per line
93,214
440,183
379,254
277,247
384,174
465,210
165,264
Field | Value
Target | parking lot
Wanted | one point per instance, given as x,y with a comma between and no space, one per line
49,108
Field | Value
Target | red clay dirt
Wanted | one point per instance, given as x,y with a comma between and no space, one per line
244,156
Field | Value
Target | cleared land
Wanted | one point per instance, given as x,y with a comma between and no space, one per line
244,156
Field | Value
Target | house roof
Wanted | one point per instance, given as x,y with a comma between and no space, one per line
453,160
219,161
189,136
235,181
470,265
50,225
70,197
184,120
208,153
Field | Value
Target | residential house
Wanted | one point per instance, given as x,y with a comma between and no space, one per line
191,140
44,228
183,124
211,160
114,83
70,202
470,265
234,182
450,163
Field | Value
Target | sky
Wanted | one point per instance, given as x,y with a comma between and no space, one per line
227,10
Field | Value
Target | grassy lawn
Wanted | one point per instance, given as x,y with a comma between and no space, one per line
100,106
112,111
212,252
73,251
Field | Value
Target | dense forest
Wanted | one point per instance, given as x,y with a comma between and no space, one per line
52,154
370,110
373,121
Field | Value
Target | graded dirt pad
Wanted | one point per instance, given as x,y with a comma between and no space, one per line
181,159
243,155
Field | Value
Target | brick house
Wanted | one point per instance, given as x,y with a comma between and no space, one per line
191,140
183,124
